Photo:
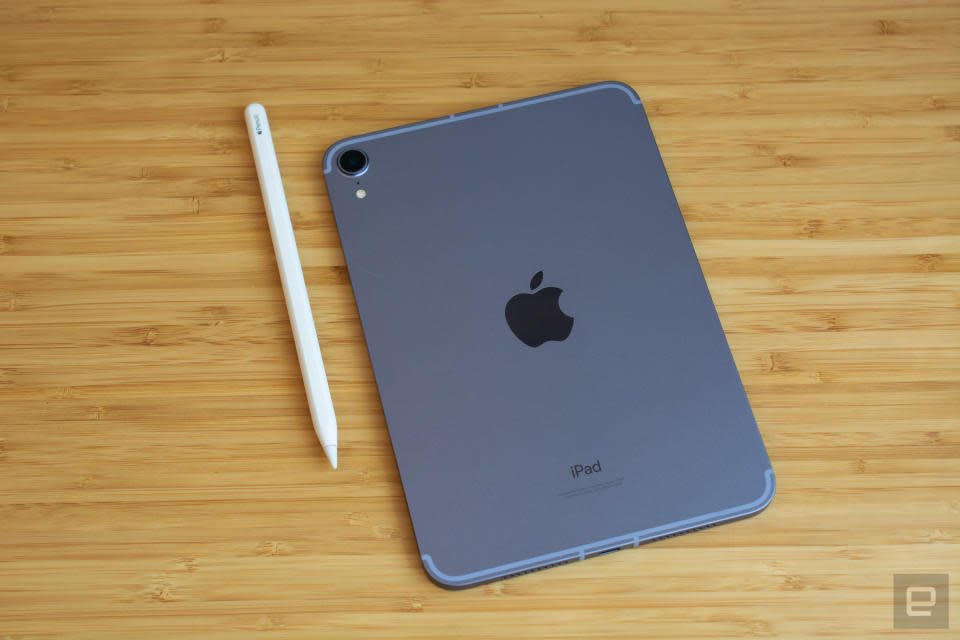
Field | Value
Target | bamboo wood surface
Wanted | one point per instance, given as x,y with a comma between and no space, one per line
159,476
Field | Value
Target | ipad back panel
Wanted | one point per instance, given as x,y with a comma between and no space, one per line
513,457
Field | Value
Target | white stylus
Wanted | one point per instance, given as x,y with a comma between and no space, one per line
291,275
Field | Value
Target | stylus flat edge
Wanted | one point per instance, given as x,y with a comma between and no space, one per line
579,553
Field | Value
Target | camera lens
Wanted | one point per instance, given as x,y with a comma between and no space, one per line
352,162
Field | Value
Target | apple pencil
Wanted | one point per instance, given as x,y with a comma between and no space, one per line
291,275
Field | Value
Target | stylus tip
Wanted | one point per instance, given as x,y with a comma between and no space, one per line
331,451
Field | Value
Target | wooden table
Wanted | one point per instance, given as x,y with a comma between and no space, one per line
158,473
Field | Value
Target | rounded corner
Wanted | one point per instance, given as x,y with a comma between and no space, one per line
770,489
444,580
331,151
766,496
621,86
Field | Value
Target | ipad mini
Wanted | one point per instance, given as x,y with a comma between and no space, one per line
554,376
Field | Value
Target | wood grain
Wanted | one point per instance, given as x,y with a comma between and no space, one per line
158,473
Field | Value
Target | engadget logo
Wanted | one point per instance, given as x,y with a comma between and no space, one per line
578,470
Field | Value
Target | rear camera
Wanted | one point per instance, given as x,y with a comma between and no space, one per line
352,162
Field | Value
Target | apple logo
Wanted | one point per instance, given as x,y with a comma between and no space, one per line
536,318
